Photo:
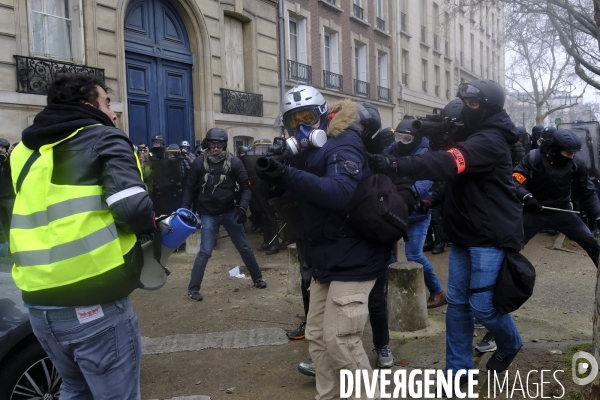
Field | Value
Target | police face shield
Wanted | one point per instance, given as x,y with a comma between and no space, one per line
589,133
293,119
259,149
468,91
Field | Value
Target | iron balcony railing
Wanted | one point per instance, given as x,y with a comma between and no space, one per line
380,24
423,34
405,79
34,75
299,72
424,85
357,11
361,88
241,103
384,93
332,80
436,45
403,22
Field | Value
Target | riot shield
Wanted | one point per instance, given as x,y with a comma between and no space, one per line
283,212
166,181
589,133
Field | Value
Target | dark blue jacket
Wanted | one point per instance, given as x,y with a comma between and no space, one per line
324,182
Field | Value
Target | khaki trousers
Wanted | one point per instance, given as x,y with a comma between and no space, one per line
336,319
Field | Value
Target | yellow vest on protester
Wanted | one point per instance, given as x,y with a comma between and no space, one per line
60,234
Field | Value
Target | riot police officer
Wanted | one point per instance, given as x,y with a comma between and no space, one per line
157,152
546,177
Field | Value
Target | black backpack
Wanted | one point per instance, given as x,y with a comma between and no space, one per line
515,282
377,211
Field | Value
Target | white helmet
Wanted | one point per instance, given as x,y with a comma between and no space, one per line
303,106
185,143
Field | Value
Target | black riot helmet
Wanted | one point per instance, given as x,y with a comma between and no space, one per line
490,96
242,149
453,110
565,139
215,135
4,143
521,129
407,138
548,132
368,116
537,129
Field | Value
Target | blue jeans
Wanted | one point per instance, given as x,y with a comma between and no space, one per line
417,231
99,359
474,268
210,229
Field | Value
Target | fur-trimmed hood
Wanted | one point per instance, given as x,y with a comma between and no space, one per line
342,115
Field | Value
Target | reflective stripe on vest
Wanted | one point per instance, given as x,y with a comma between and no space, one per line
60,234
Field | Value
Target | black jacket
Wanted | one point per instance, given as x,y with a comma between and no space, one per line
98,155
324,181
6,187
481,208
215,198
553,186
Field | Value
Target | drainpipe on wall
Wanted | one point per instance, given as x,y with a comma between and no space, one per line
281,52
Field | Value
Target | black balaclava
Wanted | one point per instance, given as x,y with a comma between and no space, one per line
558,159
473,117
400,149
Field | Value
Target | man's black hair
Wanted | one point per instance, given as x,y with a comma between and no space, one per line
73,88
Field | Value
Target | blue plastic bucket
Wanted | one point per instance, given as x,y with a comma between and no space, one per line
180,228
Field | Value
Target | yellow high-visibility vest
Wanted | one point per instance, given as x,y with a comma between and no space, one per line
60,234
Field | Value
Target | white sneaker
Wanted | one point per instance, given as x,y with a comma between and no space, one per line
385,358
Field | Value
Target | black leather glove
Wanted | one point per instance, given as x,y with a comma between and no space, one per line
531,204
381,164
424,206
240,215
273,172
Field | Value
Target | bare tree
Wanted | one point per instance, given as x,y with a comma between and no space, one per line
539,70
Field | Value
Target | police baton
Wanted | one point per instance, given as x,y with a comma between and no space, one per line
559,209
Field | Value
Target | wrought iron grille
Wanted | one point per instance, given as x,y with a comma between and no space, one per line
358,11
241,103
380,24
332,80
299,72
403,22
361,88
384,93
34,75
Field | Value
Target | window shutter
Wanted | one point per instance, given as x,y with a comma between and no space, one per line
302,53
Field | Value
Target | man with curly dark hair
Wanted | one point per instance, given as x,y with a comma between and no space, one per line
80,201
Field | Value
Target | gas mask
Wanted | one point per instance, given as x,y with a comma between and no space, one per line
315,138
473,116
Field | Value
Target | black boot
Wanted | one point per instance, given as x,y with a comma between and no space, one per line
273,248
438,248
427,246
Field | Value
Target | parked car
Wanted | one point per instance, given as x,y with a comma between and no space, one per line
26,372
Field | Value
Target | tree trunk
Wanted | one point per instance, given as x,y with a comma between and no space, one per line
538,114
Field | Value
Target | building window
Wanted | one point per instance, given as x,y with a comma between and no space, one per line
297,48
448,85
472,52
357,9
494,67
462,45
380,15
52,29
493,30
403,11
437,80
360,61
382,68
234,54
330,48
424,75
487,62
436,29
481,58
405,67
423,9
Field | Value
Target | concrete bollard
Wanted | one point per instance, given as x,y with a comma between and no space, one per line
407,299
294,277
192,243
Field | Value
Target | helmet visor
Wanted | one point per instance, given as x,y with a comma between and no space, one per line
307,116
468,91
403,137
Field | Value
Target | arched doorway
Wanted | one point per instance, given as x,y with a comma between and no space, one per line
158,72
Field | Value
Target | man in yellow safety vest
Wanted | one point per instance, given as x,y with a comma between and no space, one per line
80,201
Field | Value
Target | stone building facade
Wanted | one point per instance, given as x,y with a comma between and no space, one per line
176,67
345,48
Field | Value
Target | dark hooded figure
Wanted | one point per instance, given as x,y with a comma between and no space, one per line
482,219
